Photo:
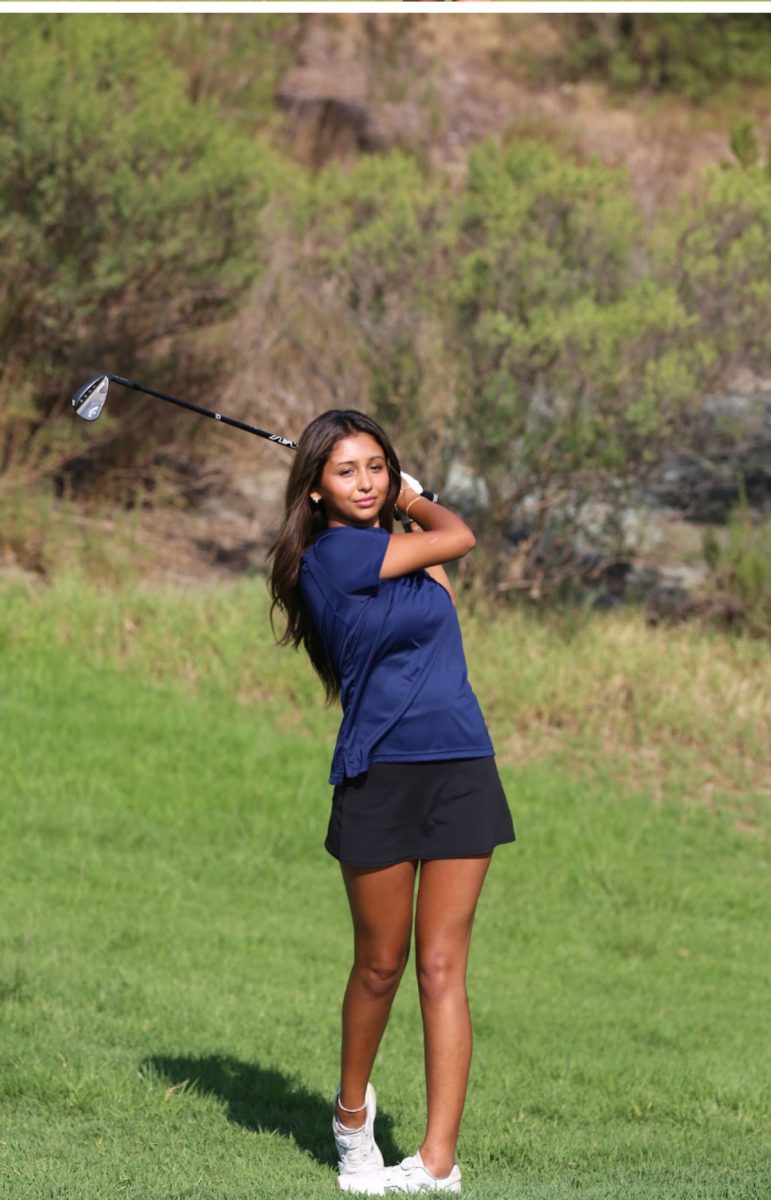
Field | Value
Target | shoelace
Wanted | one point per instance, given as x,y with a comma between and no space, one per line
354,1148
408,1165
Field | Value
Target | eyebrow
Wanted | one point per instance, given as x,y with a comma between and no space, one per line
351,462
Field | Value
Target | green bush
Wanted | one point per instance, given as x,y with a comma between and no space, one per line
127,213
232,60
574,369
375,236
693,54
714,249
741,566
744,143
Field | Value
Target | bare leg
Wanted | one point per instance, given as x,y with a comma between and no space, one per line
447,896
381,908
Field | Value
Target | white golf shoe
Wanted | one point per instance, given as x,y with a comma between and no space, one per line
409,1176
359,1159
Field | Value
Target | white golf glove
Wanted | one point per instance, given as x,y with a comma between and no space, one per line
412,482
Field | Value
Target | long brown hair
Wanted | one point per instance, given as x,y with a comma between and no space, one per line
304,521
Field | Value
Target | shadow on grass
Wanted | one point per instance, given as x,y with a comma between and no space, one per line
264,1100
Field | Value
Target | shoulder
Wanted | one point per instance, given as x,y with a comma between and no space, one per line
348,558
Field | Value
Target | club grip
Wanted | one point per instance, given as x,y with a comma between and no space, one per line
404,517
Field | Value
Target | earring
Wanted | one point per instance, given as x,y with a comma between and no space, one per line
315,498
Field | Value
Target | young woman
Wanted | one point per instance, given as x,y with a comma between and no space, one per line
417,798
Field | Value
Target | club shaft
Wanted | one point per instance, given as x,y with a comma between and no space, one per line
215,416
204,412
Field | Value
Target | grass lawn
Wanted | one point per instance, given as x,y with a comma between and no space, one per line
174,940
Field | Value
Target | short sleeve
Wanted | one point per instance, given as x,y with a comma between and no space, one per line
351,558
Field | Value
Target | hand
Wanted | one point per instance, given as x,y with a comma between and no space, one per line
411,481
411,488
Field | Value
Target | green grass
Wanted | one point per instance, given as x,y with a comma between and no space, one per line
174,939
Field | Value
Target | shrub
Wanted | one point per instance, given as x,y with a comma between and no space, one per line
574,369
127,213
741,567
693,54
714,250
374,238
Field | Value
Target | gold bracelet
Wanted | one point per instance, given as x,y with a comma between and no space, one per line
412,501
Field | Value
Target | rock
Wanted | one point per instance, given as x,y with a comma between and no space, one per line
607,603
327,112
668,584
246,556
332,115
720,609
730,442
465,490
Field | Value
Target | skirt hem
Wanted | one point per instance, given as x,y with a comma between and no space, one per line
348,862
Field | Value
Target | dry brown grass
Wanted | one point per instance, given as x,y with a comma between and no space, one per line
677,713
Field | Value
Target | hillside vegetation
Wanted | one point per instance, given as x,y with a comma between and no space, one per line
280,214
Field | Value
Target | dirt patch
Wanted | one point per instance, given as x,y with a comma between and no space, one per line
439,84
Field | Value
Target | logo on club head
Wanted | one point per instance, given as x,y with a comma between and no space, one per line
93,412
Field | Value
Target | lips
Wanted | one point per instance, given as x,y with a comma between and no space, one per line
364,503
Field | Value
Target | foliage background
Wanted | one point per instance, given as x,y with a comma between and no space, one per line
176,207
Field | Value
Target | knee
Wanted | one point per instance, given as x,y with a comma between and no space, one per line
439,975
380,978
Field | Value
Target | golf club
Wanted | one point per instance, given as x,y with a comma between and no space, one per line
89,400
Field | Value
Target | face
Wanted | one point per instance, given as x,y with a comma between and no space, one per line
354,482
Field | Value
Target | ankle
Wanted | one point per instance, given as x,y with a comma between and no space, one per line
438,1160
347,1122
350,1117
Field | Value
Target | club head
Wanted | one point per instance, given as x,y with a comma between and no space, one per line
89,399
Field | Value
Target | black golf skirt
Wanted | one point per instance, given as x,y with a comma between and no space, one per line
413,810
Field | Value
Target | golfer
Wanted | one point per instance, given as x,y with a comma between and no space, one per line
417,796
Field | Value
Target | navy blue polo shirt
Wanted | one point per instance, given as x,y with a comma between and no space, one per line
395,646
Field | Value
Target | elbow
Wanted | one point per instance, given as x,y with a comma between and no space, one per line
468,542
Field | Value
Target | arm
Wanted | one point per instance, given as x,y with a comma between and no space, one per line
445,537
439,574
